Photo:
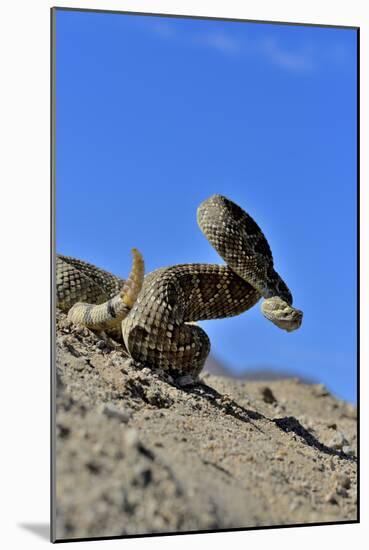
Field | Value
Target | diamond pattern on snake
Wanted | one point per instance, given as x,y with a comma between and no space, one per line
155,315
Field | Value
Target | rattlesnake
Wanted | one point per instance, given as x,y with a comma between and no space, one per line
156,314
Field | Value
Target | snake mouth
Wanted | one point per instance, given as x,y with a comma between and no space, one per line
291,324
281,314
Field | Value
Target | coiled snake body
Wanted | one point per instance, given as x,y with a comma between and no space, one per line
155,314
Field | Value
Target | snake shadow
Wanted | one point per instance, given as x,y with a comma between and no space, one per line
291,424
287,424
224,404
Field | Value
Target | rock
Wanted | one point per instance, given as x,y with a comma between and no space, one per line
131,438
280,455
70,345
350,411
169,378
348,450
338,441
77,363
320,390
98,361
296,503
268,395
186,380
331,498
343,480
158,398
65,325
112,411
146,371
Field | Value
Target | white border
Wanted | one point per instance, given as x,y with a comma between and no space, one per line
24,347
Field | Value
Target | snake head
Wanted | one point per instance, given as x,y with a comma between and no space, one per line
281,314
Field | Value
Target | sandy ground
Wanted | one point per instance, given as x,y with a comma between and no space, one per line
138,452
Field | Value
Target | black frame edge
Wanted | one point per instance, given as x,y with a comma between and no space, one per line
358,264
52,281
206,17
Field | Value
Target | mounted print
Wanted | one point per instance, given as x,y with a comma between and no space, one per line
204,267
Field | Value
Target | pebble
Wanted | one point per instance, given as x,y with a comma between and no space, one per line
338,441
331,498
77,363
348,450
280,454
82,331
307,422
268,395
67,342
97,361
186,380
143,476
146,371
65,324
351,411
111,411
320,390
101,344
131,438
296,503
343,482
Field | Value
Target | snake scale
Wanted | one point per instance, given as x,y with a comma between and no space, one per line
155,314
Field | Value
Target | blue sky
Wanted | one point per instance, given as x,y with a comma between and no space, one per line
153,115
